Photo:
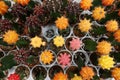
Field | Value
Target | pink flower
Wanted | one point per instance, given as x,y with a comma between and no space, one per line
75,44
64,59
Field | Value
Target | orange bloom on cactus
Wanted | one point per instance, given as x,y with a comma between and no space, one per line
85,4
60,76
117,35
23,2
116,73
87,73
3,7
107,2
62,23
104,47
98,13
11,37
112,25
46,57
85,25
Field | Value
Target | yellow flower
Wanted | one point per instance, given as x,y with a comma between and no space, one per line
87,73
104,47
62,23
76,77
107,2
112,25
86,4
46,57
98,13
10,37
60,76
106,62
116,73
36,42
59,41
117,35
85,25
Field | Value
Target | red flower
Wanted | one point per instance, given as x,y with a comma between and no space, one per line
14,77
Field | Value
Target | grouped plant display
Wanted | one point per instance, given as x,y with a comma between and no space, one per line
60,39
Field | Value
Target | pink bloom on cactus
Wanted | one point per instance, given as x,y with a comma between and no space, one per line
75,44
64,59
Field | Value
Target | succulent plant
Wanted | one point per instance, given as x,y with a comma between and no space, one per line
73,11
32,21
5,25
38,10
33,24
53,5
18,10
73,8
21,55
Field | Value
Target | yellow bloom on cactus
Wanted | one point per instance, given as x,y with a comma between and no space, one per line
85,4
46,57
76,77
104,47
11,37
106,62
37,42
60,76
85,25
107,2
59,41
116,73
62,23
112,25
117,35
87,73
98,13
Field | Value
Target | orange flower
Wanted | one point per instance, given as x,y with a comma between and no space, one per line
10,37
85,25
117,35
3,8
107,2
23,2
62,23
112,25
87,73
60,76
116,73
46,57
104,47
98,13
86,4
